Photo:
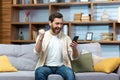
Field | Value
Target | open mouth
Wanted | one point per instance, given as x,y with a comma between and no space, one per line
57,29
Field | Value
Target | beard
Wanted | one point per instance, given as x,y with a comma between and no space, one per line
56,30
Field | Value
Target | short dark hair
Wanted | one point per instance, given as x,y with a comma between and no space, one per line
55,15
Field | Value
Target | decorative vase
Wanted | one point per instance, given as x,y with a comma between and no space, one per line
27,19
21,37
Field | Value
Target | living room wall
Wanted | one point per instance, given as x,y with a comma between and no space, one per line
5,19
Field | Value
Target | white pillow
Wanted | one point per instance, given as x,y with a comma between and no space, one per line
94,48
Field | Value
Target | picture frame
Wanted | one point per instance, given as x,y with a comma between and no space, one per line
89,36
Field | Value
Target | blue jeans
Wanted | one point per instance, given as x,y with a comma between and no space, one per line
41,73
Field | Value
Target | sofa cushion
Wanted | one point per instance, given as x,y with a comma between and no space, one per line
95,58
88,76
83,64
96,76
107,65
10,50
20,75
5,65
29,75
27,60
21,56
118,71
55,77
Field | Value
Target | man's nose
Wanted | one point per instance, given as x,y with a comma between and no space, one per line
59,25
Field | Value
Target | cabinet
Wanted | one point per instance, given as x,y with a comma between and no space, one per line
38,18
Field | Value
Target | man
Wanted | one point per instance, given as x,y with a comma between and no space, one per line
55,50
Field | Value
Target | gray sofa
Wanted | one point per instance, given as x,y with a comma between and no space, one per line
23,58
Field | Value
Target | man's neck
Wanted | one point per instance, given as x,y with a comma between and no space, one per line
51,32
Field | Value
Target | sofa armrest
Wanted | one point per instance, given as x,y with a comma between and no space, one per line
118,71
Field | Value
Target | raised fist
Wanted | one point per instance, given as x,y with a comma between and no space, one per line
41,31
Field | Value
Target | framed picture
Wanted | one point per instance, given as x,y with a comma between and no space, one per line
89,35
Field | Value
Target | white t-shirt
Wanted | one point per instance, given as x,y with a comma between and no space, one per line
54,52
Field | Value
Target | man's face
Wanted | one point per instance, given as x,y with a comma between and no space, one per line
56,25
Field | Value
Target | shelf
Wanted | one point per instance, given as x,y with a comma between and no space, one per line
18,23
102,42
80,3
70,4
22,41
72,22
79,41
106,2
31,6
94,22
42,12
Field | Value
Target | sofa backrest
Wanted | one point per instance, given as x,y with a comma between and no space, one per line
21,56
94,48
118,71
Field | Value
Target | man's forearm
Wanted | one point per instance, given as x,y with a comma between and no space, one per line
75,53
38,46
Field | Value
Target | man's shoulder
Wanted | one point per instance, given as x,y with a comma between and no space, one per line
66,36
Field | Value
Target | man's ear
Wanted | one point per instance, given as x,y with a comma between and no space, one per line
50,23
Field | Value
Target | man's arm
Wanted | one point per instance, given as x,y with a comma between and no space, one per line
38,46
74,48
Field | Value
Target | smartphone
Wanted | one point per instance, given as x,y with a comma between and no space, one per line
75,38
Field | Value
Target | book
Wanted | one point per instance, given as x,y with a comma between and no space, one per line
77,17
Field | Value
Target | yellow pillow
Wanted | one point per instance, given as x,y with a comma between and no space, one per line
5,65
107,65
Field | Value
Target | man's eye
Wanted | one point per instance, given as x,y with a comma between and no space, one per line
59,23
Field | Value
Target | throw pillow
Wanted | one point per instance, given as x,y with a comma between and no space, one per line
5,65
94,48
83,63
107,65
95,58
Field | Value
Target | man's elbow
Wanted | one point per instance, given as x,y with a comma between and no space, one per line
36,51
